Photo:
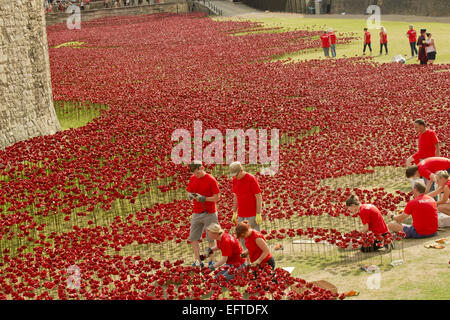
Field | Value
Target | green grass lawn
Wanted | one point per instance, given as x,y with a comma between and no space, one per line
398,43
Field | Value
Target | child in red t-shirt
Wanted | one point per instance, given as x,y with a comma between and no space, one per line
367,41
383,40
371,218
230,248
325,43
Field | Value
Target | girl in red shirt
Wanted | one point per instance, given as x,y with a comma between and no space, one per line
230,248
383,40
371,218
443,182
257,249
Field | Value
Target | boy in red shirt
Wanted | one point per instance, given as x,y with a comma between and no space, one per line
423,210
204,191
230,248
428,143
412,36
332,37
247,198
367,41
371,219
325,43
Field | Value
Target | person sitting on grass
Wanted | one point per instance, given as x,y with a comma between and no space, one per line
427,169
423,210
230,248
371,218
443,183
257,249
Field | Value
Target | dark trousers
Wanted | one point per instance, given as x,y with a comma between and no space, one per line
385,46
413,48
367,45
373,247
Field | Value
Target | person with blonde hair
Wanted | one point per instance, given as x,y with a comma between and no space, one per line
230,248
443,182
383,40
332,37
247,198
430,48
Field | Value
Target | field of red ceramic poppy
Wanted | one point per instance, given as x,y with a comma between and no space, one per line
105,199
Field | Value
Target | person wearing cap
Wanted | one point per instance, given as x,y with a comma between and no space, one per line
428,168
325,43
424,213
203,190
412,36
371,219
257,249
421,43
247,198
367,41
332,36
443,182
230,248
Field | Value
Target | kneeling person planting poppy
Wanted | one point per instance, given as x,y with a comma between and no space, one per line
371,218
257,249
230,248
423,210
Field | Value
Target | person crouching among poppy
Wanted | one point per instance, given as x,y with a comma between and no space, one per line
371,218
257,249
230,248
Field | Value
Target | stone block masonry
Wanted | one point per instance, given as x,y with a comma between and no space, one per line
26,102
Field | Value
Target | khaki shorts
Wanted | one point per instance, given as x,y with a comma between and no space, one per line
199,222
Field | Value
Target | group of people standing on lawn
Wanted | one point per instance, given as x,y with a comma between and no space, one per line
247,246
423,46
424,208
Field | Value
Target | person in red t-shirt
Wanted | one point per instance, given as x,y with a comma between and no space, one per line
427,169
428,143
257,249
204,191
383,40
230,248
371,219
443,183
423,210
332,36
367,41
247,198
412,36
326,43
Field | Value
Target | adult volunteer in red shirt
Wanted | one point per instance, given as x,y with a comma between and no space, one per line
424,213
367,41
427,169
230,248
204,191
371,219
257,249
428,143
332,37
247,198
412,36
325,38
